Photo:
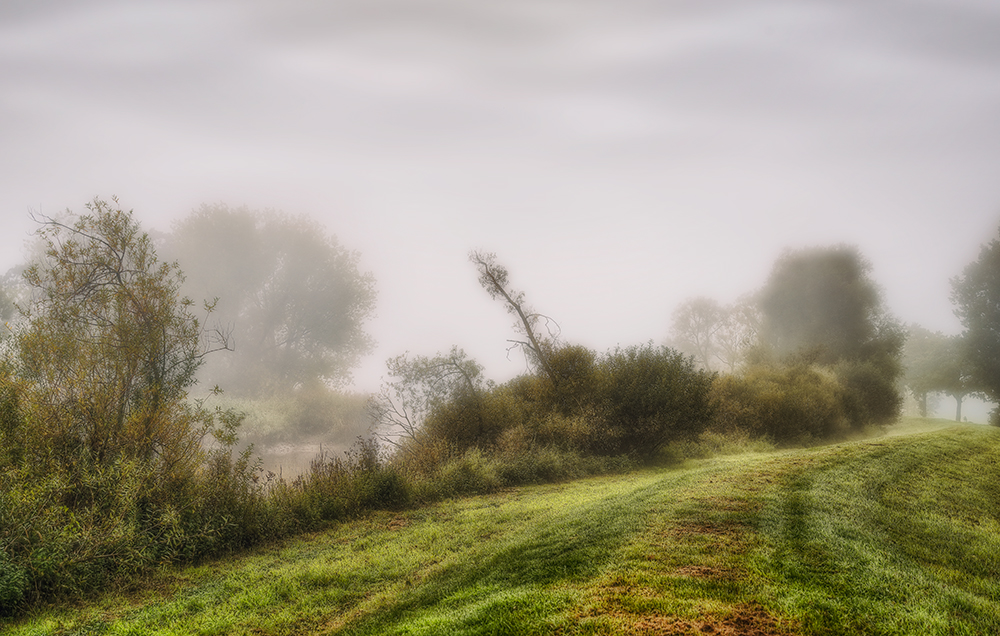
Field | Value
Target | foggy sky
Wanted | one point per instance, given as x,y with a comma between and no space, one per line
619,156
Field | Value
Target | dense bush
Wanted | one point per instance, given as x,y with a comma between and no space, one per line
649,396
628,402
793,404
871,396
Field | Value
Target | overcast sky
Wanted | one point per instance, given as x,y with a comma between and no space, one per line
620,156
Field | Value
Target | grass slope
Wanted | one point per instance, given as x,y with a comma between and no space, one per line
897,535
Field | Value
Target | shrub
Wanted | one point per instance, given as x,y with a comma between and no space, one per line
870,394
336,488
647,397
784,404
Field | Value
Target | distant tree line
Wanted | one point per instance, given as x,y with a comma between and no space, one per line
820,310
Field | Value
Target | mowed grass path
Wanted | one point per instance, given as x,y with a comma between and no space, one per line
896,535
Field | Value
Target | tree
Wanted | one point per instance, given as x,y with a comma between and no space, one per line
716,336
109,347
976,296
694,327
821,300
935,363
421,386
821,305
538,348
291,295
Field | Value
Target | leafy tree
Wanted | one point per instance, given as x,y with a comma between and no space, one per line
935,363
820,300
976,295
109,347
821,305
292,297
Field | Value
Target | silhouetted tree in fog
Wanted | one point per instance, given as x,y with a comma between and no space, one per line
292,296
935,363
537,346
976,295
822,305
716,336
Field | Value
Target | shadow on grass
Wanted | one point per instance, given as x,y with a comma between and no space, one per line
512,590
898,538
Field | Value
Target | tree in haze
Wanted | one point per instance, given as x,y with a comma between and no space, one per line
693,328
423,386
976,296
716,336
291,296
109,347
538,347
823,306
935,363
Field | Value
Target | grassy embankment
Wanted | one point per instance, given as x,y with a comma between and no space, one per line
896,535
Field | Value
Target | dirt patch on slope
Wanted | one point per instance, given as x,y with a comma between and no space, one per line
745,620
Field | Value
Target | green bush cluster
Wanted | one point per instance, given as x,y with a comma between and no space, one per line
795,404
70,526
626,403
800,403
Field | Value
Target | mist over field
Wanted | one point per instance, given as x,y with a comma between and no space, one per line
619,157
376,274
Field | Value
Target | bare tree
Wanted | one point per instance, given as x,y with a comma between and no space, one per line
420,385
538,349
716,336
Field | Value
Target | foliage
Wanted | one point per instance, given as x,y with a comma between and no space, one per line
976,296
821,307
628,402
103,453
292,296
337,488
313,414
822,300
649,396
109,350
935,363
786,404
442,387
717,337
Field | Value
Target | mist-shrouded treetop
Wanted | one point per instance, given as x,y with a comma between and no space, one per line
976,294
716,336
292,298
823,301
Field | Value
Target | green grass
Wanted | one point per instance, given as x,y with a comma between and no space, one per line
895,535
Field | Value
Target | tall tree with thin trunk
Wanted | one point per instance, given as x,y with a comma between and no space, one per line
494,279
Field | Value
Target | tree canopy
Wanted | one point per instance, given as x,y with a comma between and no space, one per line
821,306
822,301
109,347
716,336
291,296
935,363
976,295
